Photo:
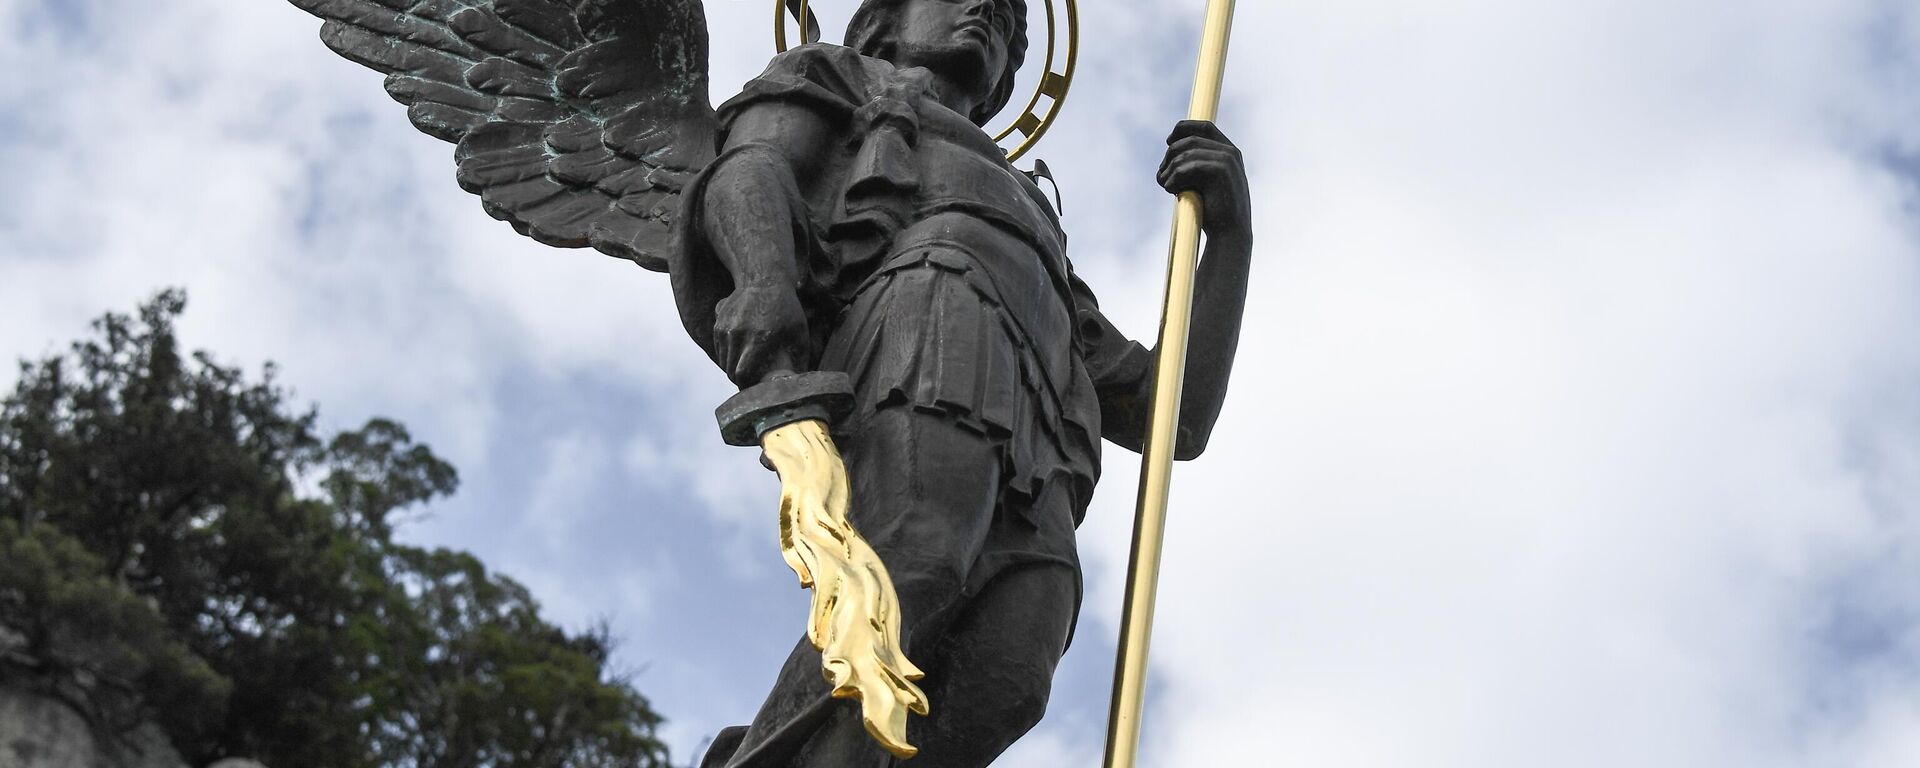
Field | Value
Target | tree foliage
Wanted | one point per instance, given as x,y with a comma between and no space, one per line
183,543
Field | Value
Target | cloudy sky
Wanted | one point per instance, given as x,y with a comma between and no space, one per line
1577,421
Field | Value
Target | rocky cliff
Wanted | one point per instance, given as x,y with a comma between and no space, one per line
41,731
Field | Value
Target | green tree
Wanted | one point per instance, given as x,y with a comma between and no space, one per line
180,543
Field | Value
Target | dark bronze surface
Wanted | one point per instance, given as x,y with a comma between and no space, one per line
845,213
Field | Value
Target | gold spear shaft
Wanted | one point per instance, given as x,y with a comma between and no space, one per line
1156,460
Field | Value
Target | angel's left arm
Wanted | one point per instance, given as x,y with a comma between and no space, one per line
1201,159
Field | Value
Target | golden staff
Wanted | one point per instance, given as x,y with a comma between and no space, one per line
1156,460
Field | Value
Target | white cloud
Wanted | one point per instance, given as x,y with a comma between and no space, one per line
1576,323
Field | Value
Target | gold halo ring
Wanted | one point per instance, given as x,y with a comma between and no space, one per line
809,24
1034,119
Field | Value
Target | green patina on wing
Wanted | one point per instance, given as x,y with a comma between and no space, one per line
576,121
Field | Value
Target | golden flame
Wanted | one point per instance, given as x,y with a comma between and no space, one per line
856,613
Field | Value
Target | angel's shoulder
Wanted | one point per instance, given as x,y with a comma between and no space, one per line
815,61
833,79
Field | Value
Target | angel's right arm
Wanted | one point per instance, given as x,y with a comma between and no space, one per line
796,129
755,217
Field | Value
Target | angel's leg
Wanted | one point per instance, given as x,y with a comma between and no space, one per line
995,668
989,675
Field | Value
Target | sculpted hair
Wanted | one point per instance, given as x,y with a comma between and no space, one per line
870,32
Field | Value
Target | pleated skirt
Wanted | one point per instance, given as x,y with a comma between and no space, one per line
929,330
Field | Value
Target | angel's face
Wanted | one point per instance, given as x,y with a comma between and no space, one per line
966,40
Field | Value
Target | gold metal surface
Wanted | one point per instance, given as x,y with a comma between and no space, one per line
1053,85
780,24
855,620
1156,460
1034,119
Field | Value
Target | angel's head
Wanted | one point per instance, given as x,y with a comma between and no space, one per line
979,44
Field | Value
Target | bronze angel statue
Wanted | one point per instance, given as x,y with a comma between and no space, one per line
913,351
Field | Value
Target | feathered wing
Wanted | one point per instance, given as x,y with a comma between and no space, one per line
577,121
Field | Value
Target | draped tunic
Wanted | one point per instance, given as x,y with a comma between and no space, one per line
936,277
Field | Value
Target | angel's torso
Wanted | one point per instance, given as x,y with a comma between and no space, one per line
900,160
911,188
